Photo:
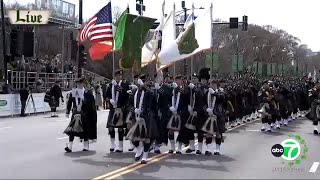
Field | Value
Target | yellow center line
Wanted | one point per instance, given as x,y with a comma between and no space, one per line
130,168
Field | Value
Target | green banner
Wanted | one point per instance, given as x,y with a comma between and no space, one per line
269,69
212,61
255,67
129,37
237,63
273,68
260,68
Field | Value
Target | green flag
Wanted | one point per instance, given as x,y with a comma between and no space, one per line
129,37
269,69
212,61
260,67
237,63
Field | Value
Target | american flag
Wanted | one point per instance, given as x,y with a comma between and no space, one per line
99,28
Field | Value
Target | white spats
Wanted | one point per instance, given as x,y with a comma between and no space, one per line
120,146
179,147
278,124
173,147
192,145
200,146
209,147
86,145
269,127
139,150
113,143
264,127
285,122
217,150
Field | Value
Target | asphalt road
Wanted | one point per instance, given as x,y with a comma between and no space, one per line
33,148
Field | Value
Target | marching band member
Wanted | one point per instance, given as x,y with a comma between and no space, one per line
179,115
144,124
82,124
118,98
164,93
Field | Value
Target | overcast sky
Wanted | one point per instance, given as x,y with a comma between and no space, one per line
298,17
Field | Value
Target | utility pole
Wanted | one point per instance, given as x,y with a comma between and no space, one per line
79,51
185,65
3,21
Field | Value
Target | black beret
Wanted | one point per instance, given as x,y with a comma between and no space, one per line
118,72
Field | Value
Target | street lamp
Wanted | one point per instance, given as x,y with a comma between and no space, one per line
4,42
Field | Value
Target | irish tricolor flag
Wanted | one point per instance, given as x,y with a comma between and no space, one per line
196,37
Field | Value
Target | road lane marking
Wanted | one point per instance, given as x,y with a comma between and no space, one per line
8,127
314,167
253,130
138,165
63,138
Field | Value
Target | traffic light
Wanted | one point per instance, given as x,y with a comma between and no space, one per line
82,55
140,7
244,23
234,23
185,68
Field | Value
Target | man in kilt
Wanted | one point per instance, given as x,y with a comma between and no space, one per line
144,125
83,124
117,94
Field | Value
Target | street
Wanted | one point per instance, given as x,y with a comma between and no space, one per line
33,148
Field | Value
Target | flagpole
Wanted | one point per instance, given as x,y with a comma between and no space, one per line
174,37
191,68
211,7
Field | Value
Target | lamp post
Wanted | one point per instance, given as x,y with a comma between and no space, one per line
4,43
79,51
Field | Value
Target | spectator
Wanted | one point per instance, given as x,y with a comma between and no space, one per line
24,94
56,94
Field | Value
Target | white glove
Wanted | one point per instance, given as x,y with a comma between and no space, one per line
191,85
221,89
138,119
137,111
211,91
210,111
132,86
173,110
190,109
140,82
174,85
195,113
67,116
129,92
114,82
157,86
114,104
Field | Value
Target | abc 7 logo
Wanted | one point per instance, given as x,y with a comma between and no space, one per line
277,150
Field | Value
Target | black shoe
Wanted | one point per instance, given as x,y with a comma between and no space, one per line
198,152
130,150
170,152
85,150
269,131
118,151
189,151
263,130
216,153
143,162
111,149
157,151
315,132
138,158
232,126
67,150
278,127
208,153
248,120
178,152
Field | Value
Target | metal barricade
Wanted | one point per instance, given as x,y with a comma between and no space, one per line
18,80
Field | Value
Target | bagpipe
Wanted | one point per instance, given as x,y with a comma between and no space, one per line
117,117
